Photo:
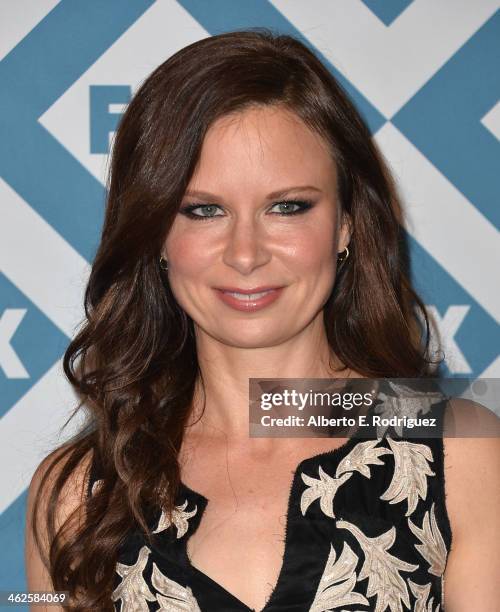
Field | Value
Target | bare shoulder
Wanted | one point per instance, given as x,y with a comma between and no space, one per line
472,464
472,487
40,488
465,418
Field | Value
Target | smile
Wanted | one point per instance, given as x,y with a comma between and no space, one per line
249,302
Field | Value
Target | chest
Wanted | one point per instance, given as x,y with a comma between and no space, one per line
240,542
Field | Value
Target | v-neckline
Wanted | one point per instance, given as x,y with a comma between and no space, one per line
332,454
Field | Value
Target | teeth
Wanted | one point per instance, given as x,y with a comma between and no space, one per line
251,296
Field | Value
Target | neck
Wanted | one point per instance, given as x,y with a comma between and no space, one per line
221,403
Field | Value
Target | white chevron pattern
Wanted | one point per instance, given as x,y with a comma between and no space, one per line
387,64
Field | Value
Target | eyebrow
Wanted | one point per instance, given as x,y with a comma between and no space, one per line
275,194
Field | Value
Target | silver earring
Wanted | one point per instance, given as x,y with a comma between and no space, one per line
342,259
163,263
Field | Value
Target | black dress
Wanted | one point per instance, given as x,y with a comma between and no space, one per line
367,530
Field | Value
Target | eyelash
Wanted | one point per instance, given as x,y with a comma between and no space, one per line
304,206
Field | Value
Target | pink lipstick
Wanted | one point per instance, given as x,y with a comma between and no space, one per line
248,300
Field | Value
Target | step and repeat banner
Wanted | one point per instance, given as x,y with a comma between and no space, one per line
424,74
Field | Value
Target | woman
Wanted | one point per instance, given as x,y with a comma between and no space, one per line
241,167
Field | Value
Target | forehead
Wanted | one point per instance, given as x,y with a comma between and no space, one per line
268,143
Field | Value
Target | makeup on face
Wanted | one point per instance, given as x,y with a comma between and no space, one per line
250,300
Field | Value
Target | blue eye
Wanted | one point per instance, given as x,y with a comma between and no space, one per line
188,210
302,205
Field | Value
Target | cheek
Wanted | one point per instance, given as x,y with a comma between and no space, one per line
314,251
185,265
186,254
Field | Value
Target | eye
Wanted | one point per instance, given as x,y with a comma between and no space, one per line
286,205
188,211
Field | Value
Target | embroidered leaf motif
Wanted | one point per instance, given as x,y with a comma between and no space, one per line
323,488
360,457
432,548
382,569
407,402
179,518
173,596
337,582
411,468
133,590
421,592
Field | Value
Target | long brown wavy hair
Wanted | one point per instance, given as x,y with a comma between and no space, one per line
134,361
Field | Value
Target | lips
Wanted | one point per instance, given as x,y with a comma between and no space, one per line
249,300
258,289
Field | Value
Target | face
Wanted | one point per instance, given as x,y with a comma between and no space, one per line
261,211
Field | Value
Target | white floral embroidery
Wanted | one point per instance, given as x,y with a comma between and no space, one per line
432,546
408,402
337,582
410,470
133,590
325,488
179,518
135,593
173,596
421,592
382,569
361,456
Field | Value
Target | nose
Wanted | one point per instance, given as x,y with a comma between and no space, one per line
246,245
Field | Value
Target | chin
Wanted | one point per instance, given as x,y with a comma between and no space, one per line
249,338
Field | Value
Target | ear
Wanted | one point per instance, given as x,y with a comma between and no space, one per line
345,231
